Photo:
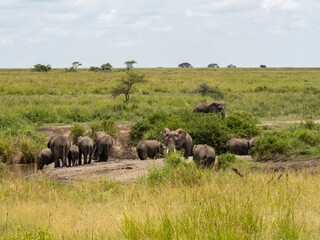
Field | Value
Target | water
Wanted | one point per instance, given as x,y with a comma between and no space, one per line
24,169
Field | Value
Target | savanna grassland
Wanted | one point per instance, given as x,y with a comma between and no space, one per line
178,201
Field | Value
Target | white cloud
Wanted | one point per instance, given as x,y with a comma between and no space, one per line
127,43
285,5
191,13
168,28
62,16
105,18
7,41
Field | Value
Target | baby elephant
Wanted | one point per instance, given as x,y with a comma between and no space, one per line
73,155
204,155
149,148
45,157
240,146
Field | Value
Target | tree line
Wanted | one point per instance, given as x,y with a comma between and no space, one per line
129,65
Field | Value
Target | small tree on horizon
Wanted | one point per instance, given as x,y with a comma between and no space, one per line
129,64
126,84
41,68
106,67
185,65
213,65
231,66
74,67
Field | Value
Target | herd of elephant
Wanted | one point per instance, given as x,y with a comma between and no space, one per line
61,149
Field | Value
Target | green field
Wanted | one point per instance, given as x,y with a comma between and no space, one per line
179,201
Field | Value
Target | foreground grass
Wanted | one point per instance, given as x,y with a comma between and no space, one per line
219,206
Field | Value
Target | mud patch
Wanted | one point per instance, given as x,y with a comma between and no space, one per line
124,170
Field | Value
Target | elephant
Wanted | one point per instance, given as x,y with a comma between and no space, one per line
85,145
149,148
102,146
44,157
211,107
240,146
178,139
204,155
73,155
60,146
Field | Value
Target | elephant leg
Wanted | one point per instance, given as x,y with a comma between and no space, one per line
80,155
69,162
85,155
56,162
90,156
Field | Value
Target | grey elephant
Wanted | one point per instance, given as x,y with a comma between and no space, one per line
60,146
85,145
240,146
73,155
211,107
44,157
204,155
178,139
102,146
149,148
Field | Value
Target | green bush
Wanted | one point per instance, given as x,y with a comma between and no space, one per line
41,68
226,160
76,131
206,90
203,128
176,171
108,126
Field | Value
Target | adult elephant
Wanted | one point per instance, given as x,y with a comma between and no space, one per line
73,155
240,146
59,146
44,157
178,139
102,146
149,148
211,107
204,155
85,145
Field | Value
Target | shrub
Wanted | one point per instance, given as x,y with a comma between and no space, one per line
206,90
271,144
176,171
108,126
226,160
203,128
76,131
41,68
94,69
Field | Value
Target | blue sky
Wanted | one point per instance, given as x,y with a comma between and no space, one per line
247,33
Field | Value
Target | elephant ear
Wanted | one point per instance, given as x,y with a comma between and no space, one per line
181,133
165,131
49,142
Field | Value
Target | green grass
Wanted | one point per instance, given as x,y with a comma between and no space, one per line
32,99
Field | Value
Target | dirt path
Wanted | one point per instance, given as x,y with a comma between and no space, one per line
118,170
283,122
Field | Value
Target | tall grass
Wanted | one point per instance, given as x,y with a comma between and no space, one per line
218,206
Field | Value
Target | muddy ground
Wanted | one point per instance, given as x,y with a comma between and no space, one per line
118,170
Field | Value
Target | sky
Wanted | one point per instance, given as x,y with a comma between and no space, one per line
163,33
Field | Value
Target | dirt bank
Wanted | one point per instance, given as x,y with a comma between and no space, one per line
118,170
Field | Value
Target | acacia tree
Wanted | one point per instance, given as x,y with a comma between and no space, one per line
126,84
129,64
106,67
74,67
185,65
